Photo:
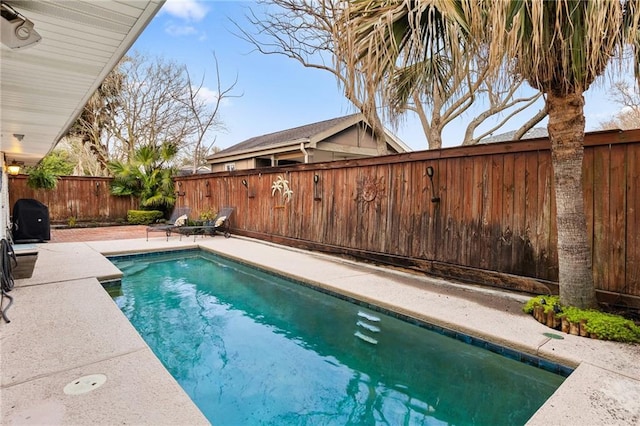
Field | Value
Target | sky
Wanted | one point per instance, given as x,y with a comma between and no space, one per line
278,93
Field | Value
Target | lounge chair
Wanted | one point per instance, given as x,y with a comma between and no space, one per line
221,223
178,218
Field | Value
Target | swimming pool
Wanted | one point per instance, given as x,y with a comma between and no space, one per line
252,348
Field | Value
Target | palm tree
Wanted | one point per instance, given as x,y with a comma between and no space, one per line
148,176
558,47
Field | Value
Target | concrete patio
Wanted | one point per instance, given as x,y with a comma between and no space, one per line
64,326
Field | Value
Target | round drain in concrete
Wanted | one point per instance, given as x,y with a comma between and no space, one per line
85,384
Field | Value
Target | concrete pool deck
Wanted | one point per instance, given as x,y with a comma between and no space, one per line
64,326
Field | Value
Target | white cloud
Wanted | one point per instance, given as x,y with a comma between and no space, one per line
179,30
207,95
210,96
187,10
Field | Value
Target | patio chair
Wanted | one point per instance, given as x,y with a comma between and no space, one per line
178,218
221,223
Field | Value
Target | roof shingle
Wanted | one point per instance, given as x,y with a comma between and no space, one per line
302,132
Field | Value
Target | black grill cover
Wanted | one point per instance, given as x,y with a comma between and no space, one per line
30,221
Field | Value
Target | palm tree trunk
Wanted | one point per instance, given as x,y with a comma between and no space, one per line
566,131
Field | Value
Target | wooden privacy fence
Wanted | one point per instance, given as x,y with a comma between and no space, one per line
85,199
491,221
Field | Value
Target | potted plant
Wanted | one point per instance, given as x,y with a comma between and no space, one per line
207,217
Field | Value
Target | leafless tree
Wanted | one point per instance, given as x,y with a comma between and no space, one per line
146,102
303,30
151,109
204,114
628,98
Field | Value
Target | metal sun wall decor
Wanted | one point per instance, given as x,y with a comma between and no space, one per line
370,188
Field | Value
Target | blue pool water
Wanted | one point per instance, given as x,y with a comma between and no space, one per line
251,348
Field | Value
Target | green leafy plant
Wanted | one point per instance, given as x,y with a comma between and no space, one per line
601,324
208,215
144,217
45,174
147,176
547,302
612,327
40,178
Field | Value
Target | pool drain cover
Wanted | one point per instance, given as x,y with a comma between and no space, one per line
85,384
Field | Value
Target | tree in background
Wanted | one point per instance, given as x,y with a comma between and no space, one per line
558,47
86,137
205,115
302,30
150,110
83,157
146,102
628,98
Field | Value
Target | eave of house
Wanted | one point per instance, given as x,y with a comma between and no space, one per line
45,87
274,149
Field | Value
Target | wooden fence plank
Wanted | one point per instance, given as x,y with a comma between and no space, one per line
546,211
507,220
601,235
632,265
486,234
617,225
519,237
589,199
477,205
468,217
531,215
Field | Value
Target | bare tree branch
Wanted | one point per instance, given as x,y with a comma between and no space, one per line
302,30
205,116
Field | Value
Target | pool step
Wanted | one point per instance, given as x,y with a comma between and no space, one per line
365,338
369,317
368,326
363,323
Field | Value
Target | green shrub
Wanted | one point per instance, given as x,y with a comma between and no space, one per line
604,325
547,301
143,217
611,327
41,178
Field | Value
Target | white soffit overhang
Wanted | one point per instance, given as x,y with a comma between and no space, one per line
44,87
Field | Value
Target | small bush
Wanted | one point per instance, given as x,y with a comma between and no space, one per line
40,178
547,301
143,217
601,324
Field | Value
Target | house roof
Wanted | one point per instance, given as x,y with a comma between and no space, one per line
534,133
45,86
309,133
